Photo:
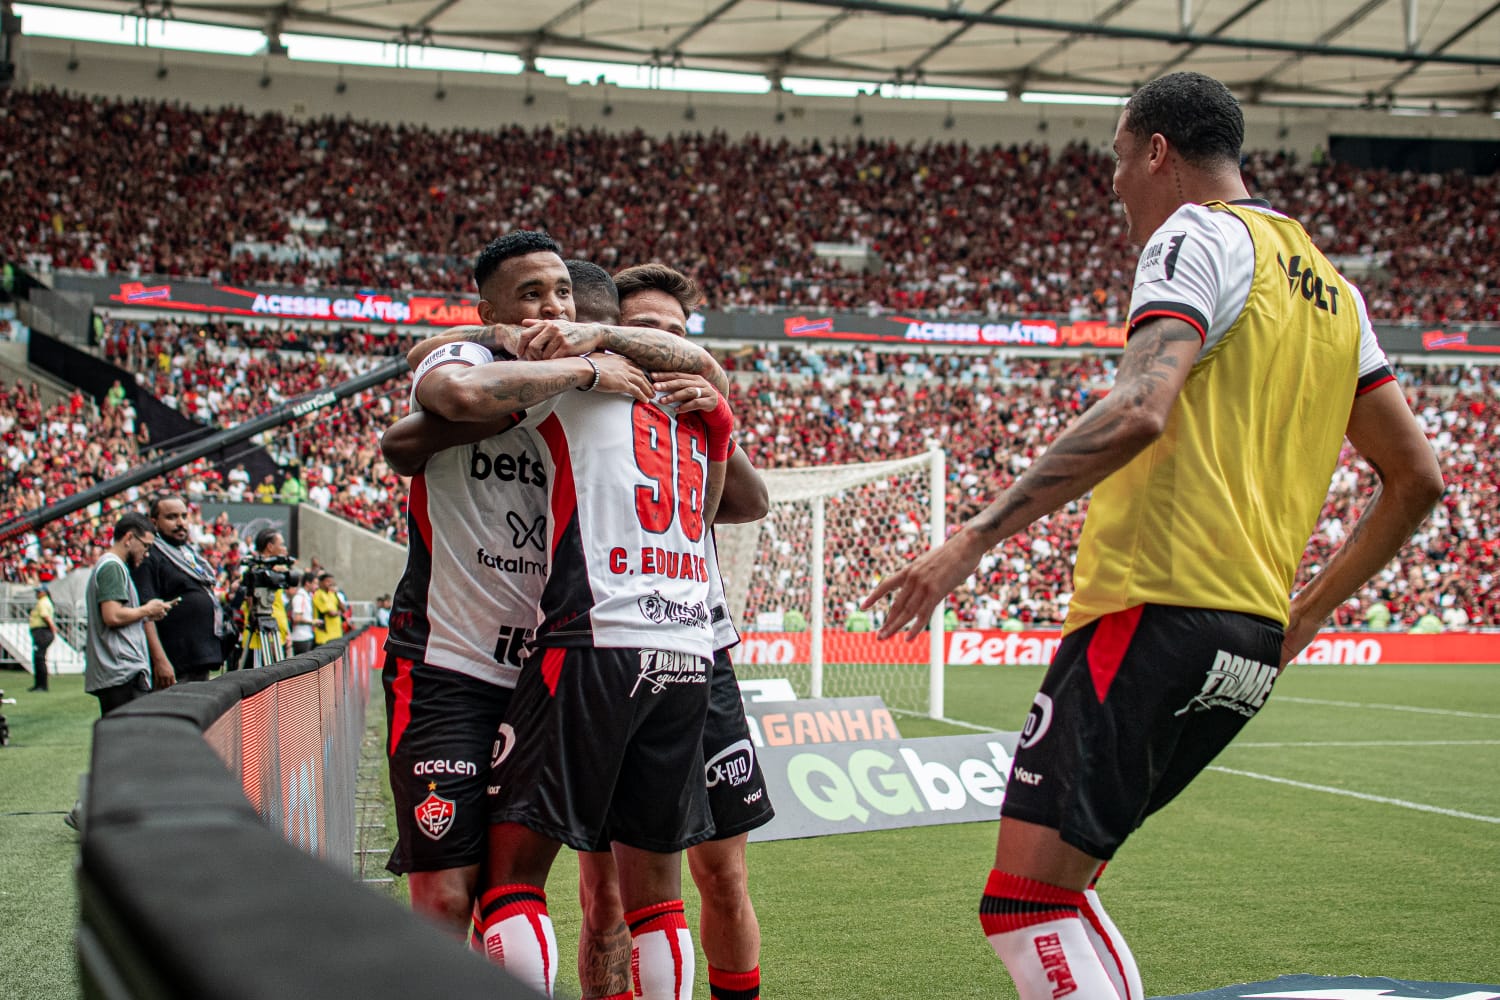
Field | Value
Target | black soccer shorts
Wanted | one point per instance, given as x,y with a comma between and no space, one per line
737,793
442,728
606,743
1133,707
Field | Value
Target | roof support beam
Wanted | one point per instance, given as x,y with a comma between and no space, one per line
1218,30
1350,20
708,19
916,64
1436,54
892,8
1063,44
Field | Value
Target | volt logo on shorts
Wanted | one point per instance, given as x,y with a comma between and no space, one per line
435,814
732,764
660,667
1235,683
463,768
1038,721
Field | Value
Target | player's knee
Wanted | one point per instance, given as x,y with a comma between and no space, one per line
722,880
448,901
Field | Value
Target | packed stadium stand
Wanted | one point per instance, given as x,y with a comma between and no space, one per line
163,189
796,407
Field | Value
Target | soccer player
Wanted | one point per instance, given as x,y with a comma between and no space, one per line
1249,360
658,297
475,568
604,740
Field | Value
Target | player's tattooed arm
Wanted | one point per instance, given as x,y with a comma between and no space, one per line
1152,372
411,441
496,339
490,392
653,350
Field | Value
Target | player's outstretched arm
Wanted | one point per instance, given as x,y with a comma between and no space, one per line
653,350
489,393
1152,372
1384,432
493,338
411,441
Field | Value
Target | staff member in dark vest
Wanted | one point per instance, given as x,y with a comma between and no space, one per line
175,568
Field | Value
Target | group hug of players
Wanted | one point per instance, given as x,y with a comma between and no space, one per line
556,670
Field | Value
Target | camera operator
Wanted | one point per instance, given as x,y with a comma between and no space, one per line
185,646
263,587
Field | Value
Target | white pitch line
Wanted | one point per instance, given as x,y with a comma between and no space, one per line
1418,806
1369,743
1392,708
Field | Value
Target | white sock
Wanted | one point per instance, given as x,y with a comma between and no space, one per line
1112,950
518,934
661,952
1038,932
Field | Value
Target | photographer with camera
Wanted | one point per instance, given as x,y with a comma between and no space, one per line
185,646
330,608
263,600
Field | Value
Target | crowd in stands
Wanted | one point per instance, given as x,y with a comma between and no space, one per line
798,406
143,187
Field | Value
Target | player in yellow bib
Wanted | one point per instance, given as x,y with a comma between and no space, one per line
1249,360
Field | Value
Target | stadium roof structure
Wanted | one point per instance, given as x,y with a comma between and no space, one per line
1441,54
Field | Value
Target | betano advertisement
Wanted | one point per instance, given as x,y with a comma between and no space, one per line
441,309
997,648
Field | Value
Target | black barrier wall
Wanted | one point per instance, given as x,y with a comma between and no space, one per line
186,891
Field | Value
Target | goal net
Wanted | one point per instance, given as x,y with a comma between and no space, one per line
795,580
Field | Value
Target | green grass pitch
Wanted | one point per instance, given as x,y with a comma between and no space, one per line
1375,851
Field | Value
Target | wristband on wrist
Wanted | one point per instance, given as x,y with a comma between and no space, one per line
720,423
595,383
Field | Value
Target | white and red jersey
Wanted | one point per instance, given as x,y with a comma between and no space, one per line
477,561
726,636
629,566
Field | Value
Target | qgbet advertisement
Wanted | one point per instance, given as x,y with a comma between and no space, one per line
841,787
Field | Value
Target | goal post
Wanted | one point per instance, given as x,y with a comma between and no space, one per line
795,579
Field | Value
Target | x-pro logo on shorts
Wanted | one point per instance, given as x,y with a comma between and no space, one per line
535,533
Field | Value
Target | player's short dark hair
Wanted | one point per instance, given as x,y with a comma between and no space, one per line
516,243
134,523
324,576
157,499
595,298
1197,114
264,537
660,278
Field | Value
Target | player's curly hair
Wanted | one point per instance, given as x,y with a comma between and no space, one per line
1197,114
660,278
516,243
594,294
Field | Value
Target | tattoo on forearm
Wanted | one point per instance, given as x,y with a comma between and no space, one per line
662,352
517,394
1146,365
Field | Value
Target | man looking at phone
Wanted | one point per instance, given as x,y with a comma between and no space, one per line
184,647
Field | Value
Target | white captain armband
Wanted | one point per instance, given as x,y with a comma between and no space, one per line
461,352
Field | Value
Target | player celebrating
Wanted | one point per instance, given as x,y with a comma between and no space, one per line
658,297
1248,361
474,575
604,740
